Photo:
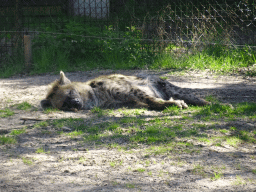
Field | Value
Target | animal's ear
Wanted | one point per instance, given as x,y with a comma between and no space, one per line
46,103
63,79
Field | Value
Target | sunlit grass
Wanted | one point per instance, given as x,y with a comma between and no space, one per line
6,113
18,131
24,106
7,140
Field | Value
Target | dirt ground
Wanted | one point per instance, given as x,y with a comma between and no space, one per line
71,165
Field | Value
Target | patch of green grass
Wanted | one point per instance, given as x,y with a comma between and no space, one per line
41,150
239,181
254,171
7,140
75,123
212,99
172,110
41,124
129,185
27,161
233,141
216,176
178,127
203,139
75,133
130,120
233,128
6,113
140,170
219,109
164,78
215,57
199,170
18,132
138,112
50,110
97,110
113,127
112,164
24,106
91,138
127,112
247,136
224,131
82,159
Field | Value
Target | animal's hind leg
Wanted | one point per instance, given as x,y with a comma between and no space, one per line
160,104
154,103
181,94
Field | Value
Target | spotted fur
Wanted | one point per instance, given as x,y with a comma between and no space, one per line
114,91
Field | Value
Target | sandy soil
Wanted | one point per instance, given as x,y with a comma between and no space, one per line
72,165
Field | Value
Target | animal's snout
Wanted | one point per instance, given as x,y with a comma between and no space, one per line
76,103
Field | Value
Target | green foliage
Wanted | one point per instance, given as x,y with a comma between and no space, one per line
6,113
221,110
12,64
27,161
24,106
41,124
50,110
41,150
88,45
7,140
215,57
172,110
18,132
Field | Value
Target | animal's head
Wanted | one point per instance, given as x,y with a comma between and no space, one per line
63,95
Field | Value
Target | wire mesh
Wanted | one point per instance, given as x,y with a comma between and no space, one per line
156,24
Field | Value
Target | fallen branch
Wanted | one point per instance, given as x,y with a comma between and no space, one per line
31,119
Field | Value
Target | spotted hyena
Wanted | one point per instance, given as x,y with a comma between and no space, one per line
113,91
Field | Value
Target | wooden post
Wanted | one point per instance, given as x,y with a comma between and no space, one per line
27,50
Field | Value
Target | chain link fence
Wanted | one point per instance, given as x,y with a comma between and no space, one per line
157,25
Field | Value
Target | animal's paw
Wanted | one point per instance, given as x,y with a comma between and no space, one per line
181,104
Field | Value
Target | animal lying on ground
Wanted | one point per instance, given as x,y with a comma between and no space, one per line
114,91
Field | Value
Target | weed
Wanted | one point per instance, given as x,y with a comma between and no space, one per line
224,131
112,164
6,113
41,124
172,110
7,140
41,150
246,136
24,106
141,170
82,159
18,132
233,141
129,185
27,161
98,110
216,176
199,170
239,181
50,110
233,128
75,133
